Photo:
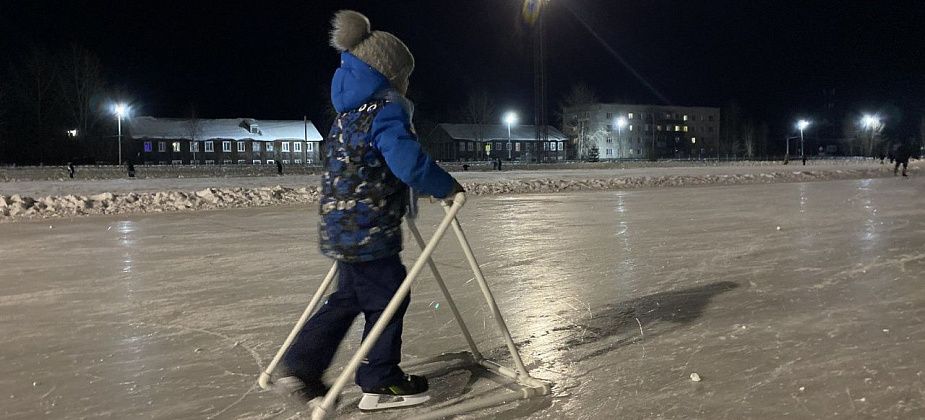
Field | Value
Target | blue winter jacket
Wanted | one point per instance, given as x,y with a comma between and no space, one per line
371,156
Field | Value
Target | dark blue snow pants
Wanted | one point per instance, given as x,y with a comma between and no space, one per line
366,288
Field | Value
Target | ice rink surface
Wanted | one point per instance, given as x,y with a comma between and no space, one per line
802,300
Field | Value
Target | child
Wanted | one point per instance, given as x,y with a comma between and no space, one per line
371,158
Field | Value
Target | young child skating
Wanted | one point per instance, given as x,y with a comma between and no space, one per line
371,158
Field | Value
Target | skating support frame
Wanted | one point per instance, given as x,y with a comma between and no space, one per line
530,386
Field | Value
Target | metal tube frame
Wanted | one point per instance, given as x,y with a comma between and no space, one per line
530,386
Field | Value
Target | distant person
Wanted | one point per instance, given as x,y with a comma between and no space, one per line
804,160
494,164
279,168
882,157
465,167
131,169
902,155
499,164
71,169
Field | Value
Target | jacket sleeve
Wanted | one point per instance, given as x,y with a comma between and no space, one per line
393,137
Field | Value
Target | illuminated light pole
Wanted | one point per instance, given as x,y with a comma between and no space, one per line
870,122
510,119
802,124
121,110
621,122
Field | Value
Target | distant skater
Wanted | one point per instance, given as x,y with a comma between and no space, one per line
902,155
71,169
131,169
499,164
279,168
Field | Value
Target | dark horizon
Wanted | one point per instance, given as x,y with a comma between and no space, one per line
775,59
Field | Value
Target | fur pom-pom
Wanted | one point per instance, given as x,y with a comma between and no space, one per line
349,29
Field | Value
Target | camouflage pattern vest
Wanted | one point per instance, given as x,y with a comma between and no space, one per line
362,201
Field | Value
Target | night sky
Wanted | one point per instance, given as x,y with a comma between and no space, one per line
271,59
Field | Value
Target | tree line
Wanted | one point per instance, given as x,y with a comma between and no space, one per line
54,108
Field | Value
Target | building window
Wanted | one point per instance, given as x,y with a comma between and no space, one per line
658,127
309,147
684,128
462,146
255,161
609,152
677,128
242,148
194,146
285,147
470,146
609,127
297,147
684,117
226,162
176,162
270,147
517,147
255,146
148,147
226,146
270,161
609,139
209,161
298,161
162,146
285,161
176,147
498,146
609,115
631,127
630,116
240,161
209,148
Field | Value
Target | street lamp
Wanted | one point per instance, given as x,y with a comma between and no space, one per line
870,122
510,118
121,110
802,124
621,122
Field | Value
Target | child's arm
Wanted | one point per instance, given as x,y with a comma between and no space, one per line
402,152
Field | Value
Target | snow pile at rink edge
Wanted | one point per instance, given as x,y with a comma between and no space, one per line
16,207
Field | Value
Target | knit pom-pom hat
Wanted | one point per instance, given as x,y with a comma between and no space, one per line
381,50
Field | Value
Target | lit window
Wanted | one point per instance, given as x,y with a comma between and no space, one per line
209,148
684,128
242,147
161,146
693,139
677,128
658,127
297,147
517,147
629,116
631,127
685,117
148,147
176,147
285,147
270,161
226,146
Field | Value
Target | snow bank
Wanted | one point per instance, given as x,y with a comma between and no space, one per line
17,207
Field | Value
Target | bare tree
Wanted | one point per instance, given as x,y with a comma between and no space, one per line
579,94
82,85
194,129
32,88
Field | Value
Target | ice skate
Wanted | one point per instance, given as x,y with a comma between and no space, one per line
298,392
409,392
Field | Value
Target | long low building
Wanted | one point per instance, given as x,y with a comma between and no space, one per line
178,141
474,142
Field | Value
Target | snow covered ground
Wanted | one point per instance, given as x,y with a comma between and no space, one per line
796,300
43,199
